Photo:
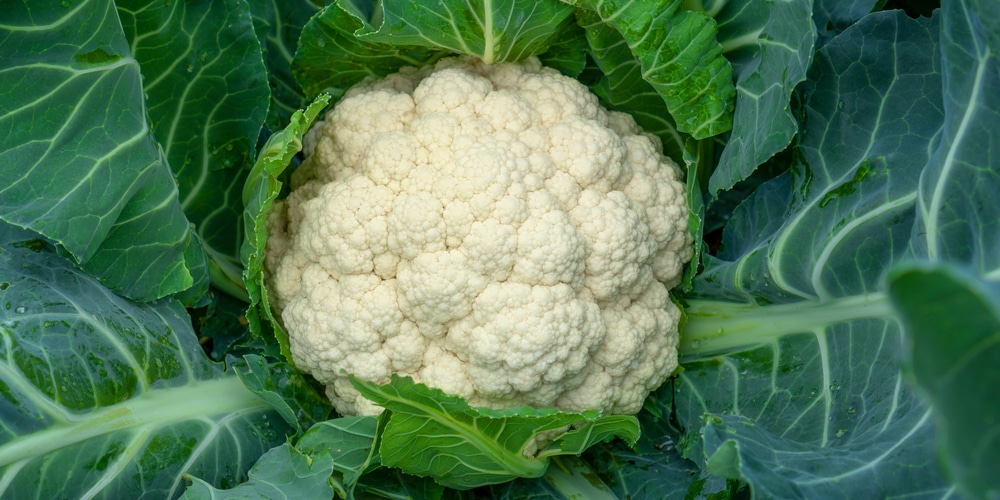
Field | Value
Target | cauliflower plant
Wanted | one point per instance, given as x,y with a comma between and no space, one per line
489,230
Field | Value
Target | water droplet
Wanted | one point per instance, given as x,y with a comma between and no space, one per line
841,432
695,344
229,147
321,43
190,68
840,105
852,410
65,3
202,57
21,309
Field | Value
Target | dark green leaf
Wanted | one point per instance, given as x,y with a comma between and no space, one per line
278,25
393,484
791,345
568,51
958,207
430,433
79,162
206,87
622,88
770,45
680,57
105,398
831,17
494,31
285,389
953,343
222,325
331,59
653,468
282,472
349,440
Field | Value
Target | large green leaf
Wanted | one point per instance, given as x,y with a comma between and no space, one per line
430,433
679,56
285,389
654,468
831,17
953,317
279,25
282,472
621,85
330,58
492,30
770,45
565,53
958,207
953,344
791,379
207,92
651,468
349,440
105,398
395,485
79,162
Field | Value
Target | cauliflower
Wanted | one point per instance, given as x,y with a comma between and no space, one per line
489,230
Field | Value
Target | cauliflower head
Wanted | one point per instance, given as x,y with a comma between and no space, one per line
489,230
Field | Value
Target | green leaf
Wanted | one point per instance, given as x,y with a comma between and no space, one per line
953,349
278,25
282,472
106,398
349,440
331,59
791,346
79,162
391,483
430,433
770,45
222,326
287,391
697,157
577,440
259,192
494,30
567,53
680,57
958,209
832,17
622,87
653,468
206,88
952,316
